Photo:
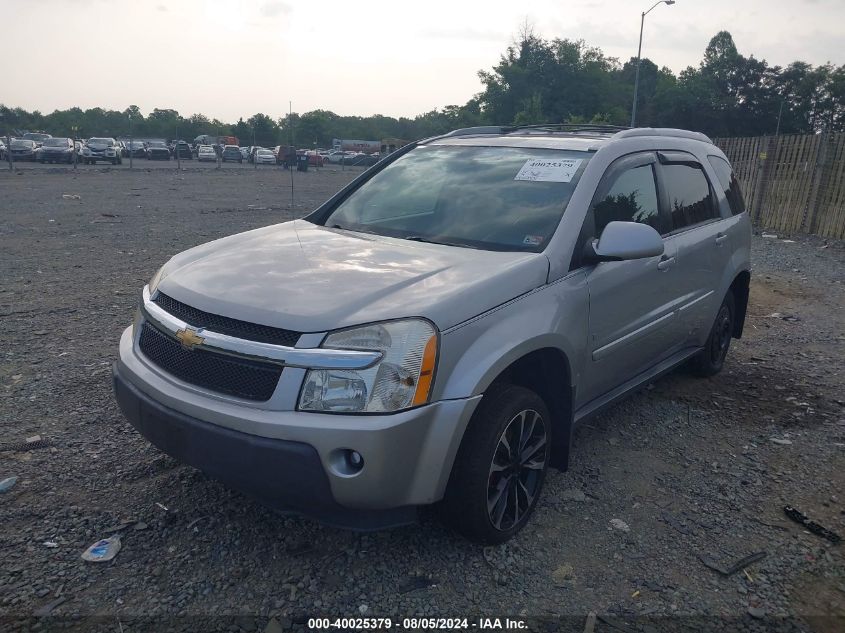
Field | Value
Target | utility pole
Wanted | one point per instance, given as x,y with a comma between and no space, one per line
130,140
75,130
176,150
291,147
9,151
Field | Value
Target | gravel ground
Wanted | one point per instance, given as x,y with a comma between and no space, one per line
686,470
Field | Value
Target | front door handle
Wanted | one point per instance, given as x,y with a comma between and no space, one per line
720,238
665,263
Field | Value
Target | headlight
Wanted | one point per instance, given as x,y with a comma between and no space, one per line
155,280
402,379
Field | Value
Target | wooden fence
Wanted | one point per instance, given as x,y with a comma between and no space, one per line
794,183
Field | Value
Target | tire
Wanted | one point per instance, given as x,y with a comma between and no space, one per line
710,360
487,475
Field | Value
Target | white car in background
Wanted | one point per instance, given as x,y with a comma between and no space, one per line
206,153
264,157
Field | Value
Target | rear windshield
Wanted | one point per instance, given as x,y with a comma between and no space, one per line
22,143
100,141
494,198
55,142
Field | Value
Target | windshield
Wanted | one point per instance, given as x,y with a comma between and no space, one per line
495,198
36,136
158,145
55,142
100,141
22,143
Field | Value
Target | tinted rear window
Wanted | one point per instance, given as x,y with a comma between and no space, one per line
690,201
729,183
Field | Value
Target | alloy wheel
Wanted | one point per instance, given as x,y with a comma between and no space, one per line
516,469
722,336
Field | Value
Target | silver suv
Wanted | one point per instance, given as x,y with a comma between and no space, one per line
435,331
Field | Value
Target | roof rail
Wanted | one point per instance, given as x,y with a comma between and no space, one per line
481,129
601,128
663,131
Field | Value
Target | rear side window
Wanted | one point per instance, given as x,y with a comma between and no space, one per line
729,183
631,198
688,190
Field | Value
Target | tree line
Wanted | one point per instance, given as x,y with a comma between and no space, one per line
536,80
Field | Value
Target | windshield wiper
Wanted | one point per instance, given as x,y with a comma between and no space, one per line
346,228
420,238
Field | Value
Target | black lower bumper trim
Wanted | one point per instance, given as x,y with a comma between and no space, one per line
281,474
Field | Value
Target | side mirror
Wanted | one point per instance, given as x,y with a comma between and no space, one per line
621,241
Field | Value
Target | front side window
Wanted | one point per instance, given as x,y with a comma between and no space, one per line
690,201
729,183
631,198
494,198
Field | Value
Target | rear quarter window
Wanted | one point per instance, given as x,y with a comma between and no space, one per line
729,183
690,200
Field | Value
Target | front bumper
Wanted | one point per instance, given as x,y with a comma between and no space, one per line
57,156
101,157
286,458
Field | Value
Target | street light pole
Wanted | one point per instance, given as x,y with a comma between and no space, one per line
639,57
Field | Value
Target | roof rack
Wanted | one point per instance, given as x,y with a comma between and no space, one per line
482,129
662,131
616,131
571,127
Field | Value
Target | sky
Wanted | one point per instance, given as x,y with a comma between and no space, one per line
233,58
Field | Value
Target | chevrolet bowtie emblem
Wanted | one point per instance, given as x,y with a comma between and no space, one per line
189,338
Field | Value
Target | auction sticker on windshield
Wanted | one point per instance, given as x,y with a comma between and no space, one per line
549,170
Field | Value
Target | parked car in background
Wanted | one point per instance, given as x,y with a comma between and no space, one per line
3,149
264,157
360,159
104,149
78,145
232,153
158,150
137,149
38,137
314,159
206,153
245,152
337,156
22,149
56,150
183,150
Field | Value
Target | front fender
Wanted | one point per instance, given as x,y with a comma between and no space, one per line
475,352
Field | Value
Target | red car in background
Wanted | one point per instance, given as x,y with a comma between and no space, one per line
314,159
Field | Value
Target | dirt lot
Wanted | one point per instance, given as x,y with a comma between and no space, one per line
693,468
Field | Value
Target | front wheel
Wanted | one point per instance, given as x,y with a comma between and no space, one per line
500,467
709,361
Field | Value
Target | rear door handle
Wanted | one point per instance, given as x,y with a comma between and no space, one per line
665,263
720,238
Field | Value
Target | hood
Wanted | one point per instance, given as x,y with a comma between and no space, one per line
308,278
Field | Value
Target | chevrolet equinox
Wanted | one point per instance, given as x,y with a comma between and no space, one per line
435,331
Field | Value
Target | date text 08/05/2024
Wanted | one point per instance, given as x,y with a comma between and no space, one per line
481,624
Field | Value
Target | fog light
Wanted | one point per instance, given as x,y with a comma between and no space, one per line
346,462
